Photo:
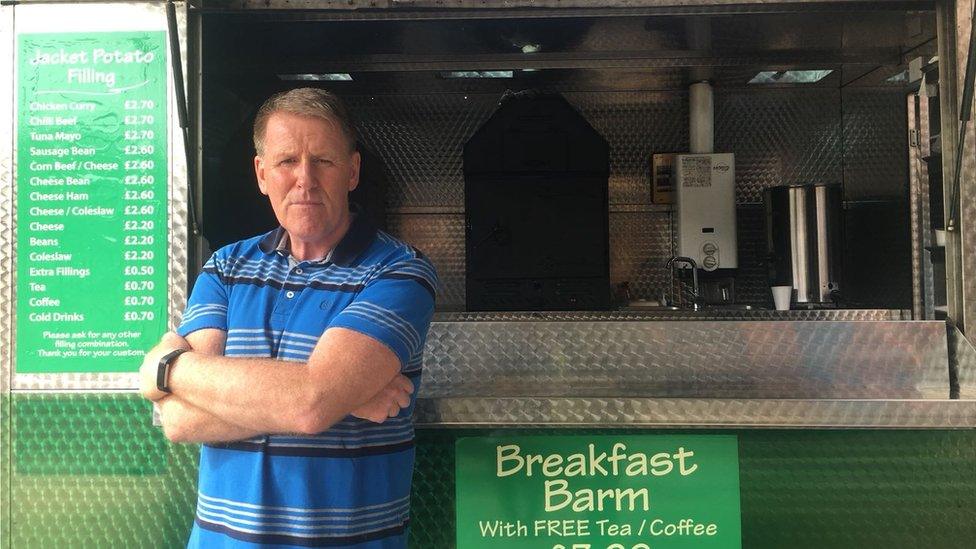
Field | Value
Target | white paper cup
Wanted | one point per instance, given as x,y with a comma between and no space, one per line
782,296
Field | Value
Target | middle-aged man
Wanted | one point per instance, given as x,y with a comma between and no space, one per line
294,348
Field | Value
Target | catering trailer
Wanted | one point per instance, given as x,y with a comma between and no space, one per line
706,269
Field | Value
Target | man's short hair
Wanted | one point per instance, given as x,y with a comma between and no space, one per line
305,102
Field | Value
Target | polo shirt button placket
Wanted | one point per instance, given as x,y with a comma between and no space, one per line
286,300
298,271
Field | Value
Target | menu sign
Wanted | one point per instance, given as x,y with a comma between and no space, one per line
598,492
91,200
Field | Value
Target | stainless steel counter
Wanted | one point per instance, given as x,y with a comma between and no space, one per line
662,313
633,372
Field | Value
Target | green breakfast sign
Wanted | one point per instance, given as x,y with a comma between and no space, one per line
598,492
92,180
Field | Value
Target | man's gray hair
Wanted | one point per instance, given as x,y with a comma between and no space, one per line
312,102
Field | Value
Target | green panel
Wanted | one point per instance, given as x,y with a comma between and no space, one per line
5,472
97,474
93,435
799,488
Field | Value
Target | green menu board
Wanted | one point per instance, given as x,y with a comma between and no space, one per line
598,492
92,176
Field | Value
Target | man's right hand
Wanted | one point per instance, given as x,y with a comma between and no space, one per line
388,402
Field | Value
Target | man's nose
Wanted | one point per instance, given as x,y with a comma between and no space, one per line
305,174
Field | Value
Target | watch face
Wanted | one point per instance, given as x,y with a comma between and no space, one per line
162,373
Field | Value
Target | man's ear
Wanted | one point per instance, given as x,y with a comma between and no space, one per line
259,172
354,165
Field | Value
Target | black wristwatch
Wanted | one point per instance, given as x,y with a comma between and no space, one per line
162,371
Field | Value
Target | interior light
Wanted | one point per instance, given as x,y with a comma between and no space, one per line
478,74
898,78
329,76
790,77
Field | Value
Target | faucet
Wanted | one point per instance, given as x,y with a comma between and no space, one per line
694,277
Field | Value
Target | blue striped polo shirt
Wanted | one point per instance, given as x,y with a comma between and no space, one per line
350,485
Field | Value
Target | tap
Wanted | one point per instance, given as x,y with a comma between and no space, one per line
694,277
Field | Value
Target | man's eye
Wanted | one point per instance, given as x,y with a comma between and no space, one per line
286,161
325,161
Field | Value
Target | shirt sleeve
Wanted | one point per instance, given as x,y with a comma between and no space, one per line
395,308
207,306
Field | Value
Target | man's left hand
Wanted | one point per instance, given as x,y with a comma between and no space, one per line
150,364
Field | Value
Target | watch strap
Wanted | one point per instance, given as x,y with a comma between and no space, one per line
162,371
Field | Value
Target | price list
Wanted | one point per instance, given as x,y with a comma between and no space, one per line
92,176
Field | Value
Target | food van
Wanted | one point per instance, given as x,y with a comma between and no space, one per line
611,193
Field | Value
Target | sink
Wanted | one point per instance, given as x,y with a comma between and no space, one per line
654,306
648,305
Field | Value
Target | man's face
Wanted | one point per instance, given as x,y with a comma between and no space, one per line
307,171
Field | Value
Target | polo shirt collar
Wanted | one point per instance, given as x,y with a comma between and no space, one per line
359,236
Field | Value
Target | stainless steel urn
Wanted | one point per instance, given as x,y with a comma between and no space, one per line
804,238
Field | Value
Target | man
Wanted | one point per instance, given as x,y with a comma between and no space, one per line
294,348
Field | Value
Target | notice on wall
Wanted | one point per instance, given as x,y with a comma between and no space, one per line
92,176
598,492
697,171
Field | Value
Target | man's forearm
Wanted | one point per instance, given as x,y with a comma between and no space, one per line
345,370
183,422
262,395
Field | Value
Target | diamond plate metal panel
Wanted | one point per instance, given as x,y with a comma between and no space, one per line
705,314
89,470
640,246
914,201
7,270
966,218
962,360
951,71
8,131
636,125
967,236
875,145
441,238
731,360
178,226
411,9
420,139
849,489
690,412
923,282
786,136
432,508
